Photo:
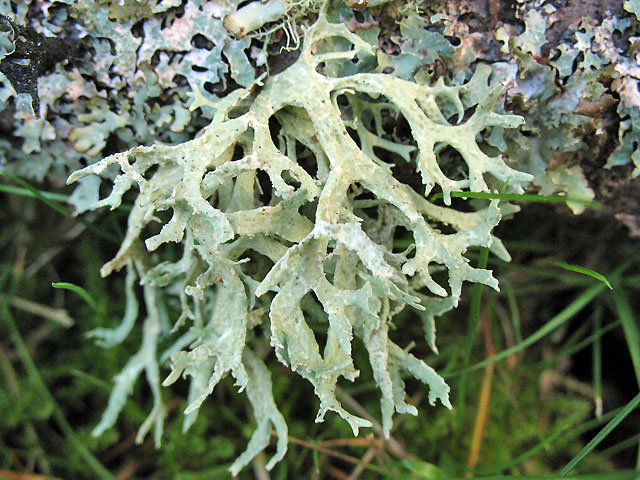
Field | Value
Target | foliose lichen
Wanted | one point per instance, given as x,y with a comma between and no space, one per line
284,210
570,72
126,84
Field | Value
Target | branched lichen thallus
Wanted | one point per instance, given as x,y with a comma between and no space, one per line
285,216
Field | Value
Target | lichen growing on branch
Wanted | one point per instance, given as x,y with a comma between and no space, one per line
285,209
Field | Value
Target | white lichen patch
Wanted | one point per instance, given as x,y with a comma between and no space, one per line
285,217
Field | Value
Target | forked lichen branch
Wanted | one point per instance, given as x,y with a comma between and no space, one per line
285,213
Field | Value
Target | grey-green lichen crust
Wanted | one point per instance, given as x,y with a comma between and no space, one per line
310,247
127,89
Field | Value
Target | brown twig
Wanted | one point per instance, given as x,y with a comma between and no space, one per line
349,442
9,475
366,459
485,398
326,451
336,473
57,315
130,469
392,444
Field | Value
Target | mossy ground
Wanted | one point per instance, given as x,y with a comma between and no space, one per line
543,392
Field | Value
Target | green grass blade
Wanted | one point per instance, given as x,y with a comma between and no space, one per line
570,350
316,461
56,197
32,371
81,292
36,193
514,310
630,328
528,198
597,361
593,423
584,271
620,446
608,428
218,472
25,192
632,281
47,199
472,329
621,475
572,309
526,455
90,379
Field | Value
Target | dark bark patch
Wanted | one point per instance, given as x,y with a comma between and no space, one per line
34,55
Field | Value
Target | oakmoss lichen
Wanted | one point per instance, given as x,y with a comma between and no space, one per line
285,214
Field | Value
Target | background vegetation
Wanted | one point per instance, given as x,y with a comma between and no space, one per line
566,347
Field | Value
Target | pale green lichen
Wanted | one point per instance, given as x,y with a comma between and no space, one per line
562,62
311,246
633,6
